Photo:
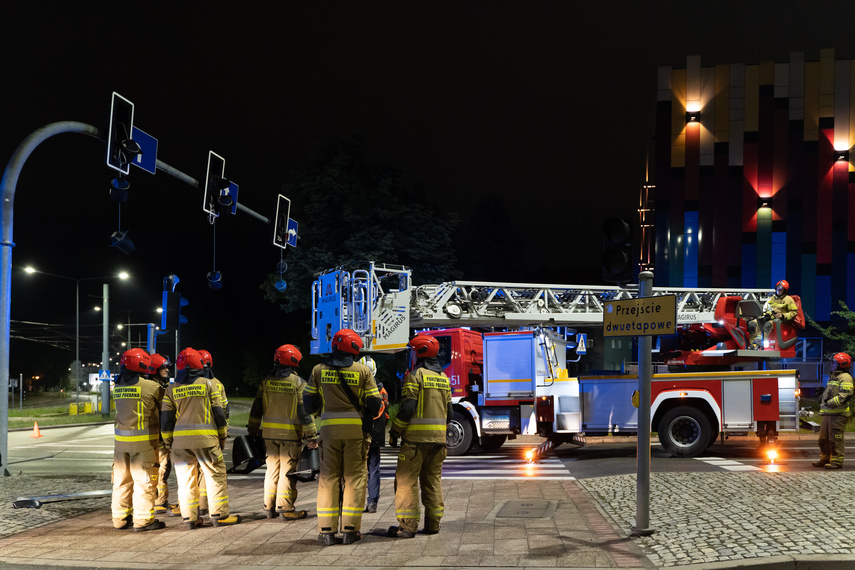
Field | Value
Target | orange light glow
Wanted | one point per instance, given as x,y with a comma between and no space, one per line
529,455
772,455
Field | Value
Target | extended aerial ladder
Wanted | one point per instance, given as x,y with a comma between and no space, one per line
382,306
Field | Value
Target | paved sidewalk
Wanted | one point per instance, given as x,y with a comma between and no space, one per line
701,520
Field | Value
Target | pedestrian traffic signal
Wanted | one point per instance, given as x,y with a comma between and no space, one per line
617,251
171,318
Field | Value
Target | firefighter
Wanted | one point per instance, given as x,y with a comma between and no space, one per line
208,363
779,308
423,415
377,439
343,393
278,415
137,433
834,408
161,366
194,430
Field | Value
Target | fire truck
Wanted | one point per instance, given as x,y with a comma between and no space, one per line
515,381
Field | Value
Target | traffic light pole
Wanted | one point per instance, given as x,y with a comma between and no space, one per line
8,185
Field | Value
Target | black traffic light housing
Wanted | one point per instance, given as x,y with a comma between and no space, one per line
617,259
171,317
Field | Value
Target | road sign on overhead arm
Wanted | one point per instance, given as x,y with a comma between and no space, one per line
215,181
119,142
147,158
292,233
280,222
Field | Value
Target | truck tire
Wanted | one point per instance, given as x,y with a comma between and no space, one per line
492,442
685,431
458,435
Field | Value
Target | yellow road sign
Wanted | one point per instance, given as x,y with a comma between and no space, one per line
646,316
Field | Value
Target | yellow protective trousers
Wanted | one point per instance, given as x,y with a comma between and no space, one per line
419,466
188,465
343,463
163,473
134,486
831,448
280,491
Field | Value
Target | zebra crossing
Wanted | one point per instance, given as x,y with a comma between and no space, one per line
507,462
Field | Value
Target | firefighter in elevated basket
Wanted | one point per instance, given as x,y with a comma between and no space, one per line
834,408
136,441
194,430
780,307
343,393
423,415
279,416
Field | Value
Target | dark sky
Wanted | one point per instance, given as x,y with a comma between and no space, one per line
543,108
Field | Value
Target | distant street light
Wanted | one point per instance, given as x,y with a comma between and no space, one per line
122,275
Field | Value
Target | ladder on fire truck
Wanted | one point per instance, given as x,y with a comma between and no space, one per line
381,299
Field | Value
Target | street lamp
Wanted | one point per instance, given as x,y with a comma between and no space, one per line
123,275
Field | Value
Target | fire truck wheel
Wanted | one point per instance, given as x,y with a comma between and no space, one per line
458,435
685,432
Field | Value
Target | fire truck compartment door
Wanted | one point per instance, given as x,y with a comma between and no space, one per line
509,366
736,404
607,403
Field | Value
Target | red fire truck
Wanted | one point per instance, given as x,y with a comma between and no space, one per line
515,382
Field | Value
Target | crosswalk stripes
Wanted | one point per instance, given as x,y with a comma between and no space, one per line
505,463
727,464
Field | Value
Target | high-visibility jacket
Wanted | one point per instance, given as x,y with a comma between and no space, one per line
783,304
192,416
280,413
425,404
221,392
137,424
837,395
325,396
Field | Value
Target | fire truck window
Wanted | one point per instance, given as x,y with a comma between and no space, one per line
444,350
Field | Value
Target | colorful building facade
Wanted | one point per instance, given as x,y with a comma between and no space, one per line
753,178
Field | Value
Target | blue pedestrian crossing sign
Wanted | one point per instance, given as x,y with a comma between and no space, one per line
105,376
147,158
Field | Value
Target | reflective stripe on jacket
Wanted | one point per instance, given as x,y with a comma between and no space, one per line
432,391
338,417
837,395
137,423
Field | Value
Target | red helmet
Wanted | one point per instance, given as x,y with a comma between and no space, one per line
424,345
137,360
782,284
207,360
348,341
158,361
189,358
287,355
842,359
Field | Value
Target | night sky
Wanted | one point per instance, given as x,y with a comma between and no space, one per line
543,109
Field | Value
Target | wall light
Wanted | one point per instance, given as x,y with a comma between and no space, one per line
764,203
841,156
693,116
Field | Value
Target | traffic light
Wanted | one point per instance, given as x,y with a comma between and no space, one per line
617,251
171,318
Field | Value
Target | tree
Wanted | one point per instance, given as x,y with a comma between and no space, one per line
350,213
844,336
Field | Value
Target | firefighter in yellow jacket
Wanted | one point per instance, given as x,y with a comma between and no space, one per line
779,308
161,376
137,436
208,372
423,415
194,430
834,408
278,415
342,391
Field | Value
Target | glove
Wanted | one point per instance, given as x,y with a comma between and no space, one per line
393,439
253,432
